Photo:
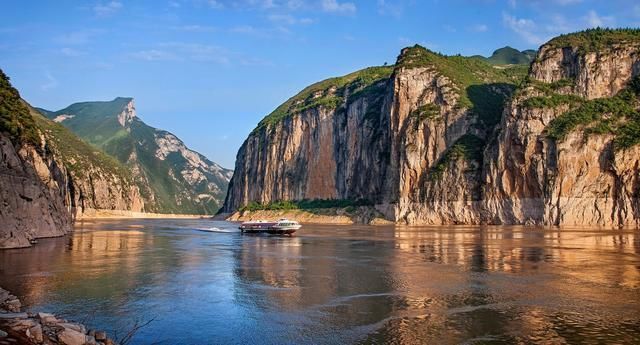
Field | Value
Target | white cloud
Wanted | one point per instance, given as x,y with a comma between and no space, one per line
566,2
70,52
334,6
196,28
594,20
77,37
50,82
216,4
390,8
479,28
107,9
525,28
154,55
195,52
287,19
245,29
449,28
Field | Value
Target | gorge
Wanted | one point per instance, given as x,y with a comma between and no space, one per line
440,139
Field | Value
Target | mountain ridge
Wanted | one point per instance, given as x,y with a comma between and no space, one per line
172,177
426,146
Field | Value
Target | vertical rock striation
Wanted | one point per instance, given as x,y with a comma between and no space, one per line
451,140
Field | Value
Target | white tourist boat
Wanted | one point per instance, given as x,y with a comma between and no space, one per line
281,227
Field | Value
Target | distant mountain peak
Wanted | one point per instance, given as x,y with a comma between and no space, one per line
128,113
171,177
508,55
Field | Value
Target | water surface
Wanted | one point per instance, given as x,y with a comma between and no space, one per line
336,284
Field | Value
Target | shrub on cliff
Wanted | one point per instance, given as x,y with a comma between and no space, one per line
617,115
15,118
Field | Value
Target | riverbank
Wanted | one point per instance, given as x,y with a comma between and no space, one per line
339,216
108,214
17,327
28,238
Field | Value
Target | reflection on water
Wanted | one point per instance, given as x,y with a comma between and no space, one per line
333,284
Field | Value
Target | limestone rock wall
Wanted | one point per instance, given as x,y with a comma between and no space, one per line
520,176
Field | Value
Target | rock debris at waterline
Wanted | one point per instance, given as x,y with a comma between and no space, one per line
42,328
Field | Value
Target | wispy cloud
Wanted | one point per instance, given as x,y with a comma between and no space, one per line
334,6
70,52
195,52
449,28
593,19
479,28
287,19
50,82
524,27
107,9
566,2
390,8
196,28
154,55
77,37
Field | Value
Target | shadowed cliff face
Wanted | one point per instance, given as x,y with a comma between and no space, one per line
319,154
48,176
437,142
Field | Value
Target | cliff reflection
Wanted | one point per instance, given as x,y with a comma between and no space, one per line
334,284
411,285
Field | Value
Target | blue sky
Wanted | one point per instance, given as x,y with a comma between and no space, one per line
209,70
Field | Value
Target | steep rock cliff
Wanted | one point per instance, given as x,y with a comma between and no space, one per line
436,143
556,161
376,135
48,176
335,147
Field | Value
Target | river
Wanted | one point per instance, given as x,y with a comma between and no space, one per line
335,284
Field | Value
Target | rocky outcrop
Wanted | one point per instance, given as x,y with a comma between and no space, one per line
441,140
42,328
32,196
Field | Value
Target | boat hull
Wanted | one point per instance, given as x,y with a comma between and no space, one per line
282,227
268,231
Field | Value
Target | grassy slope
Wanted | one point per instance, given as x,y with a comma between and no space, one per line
359,80
15,118
482,88
596,39
617,115
511,56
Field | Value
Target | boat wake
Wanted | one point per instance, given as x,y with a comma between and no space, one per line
214,229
